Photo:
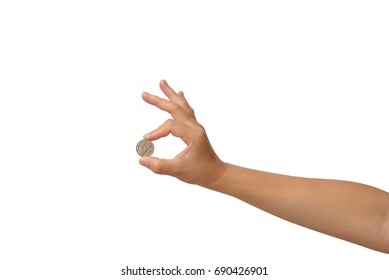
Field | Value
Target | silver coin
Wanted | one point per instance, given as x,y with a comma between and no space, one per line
145,148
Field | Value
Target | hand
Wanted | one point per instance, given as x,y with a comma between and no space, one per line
197,163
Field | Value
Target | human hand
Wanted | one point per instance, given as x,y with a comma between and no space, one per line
197,163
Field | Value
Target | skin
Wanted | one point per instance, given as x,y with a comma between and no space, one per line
347,210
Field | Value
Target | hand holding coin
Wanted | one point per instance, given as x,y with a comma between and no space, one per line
197,163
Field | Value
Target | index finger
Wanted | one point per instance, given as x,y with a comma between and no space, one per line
172,108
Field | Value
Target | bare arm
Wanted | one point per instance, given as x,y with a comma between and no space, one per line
351,211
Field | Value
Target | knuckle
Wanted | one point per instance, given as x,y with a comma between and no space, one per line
201,128
169,122
175,107
199,131
192,112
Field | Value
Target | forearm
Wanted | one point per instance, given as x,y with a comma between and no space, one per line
350,211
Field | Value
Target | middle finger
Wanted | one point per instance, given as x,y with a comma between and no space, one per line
172,108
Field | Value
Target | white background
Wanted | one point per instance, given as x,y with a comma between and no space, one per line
292,87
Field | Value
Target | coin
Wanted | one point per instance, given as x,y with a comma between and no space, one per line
145,148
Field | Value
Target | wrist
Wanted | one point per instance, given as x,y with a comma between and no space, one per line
217,184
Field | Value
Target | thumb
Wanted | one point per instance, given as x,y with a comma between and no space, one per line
157,165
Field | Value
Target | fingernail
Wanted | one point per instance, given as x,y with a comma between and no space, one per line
143,162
